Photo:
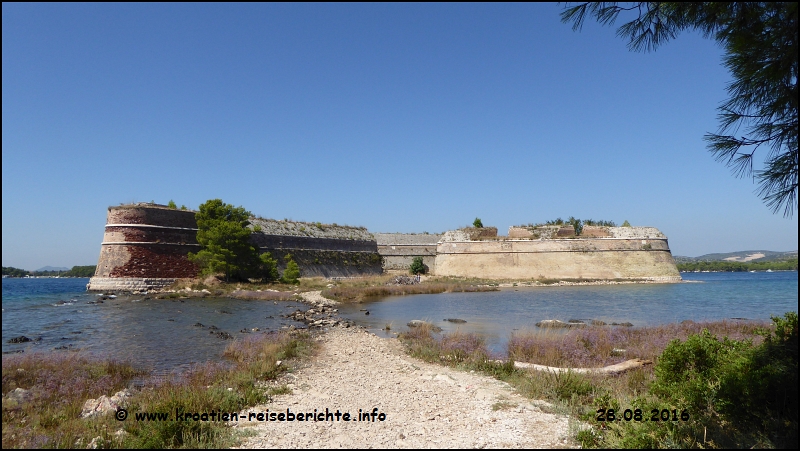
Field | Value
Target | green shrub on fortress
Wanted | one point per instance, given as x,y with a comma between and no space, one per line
576,224
477,223
171,204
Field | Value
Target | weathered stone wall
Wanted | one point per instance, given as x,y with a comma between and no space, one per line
595,232
595,258
399,249
301,242
140,233
151,214
310,229
325,263
128,283
147,244
565,232
470,234
635,232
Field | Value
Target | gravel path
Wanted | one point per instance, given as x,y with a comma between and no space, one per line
426,405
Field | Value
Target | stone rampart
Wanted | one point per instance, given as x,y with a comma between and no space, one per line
587,258
145,246
635,232
128,283
287,228
302,242
151,214
398,250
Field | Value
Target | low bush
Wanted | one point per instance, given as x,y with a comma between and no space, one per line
736,393
417,266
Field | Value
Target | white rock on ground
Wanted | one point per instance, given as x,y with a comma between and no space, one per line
426,405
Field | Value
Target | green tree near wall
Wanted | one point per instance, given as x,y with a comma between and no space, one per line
760,44
417,266
224,240
477,223
291,274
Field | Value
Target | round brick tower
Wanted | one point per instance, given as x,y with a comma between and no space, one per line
145,246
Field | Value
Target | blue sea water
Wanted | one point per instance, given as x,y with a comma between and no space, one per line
161,334
153,333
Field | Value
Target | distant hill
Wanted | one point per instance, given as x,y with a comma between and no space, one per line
52,268
741,256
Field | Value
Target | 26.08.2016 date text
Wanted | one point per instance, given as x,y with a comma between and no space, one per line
638,415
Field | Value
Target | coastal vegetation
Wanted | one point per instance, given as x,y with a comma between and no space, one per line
729,266
46,411
11,271
730,383
76,271
356,290
477,223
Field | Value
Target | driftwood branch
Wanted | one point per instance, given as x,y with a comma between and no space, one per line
618,368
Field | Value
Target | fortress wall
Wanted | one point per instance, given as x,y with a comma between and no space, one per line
387,239
146,246
595,232
152,215
564,259
325,263
115,234
303,242
146,261
399,249
635,232
310,229
145,242
128,283
519,232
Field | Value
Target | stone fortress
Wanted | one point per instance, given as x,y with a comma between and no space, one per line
145,246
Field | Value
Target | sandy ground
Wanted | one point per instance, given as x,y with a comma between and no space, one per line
425,405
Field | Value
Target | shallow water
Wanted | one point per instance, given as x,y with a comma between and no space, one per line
160,334
156,333
496,315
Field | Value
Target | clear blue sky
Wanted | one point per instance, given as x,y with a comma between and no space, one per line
400,118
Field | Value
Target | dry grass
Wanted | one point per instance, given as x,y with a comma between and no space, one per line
60,384
599,346
360,293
